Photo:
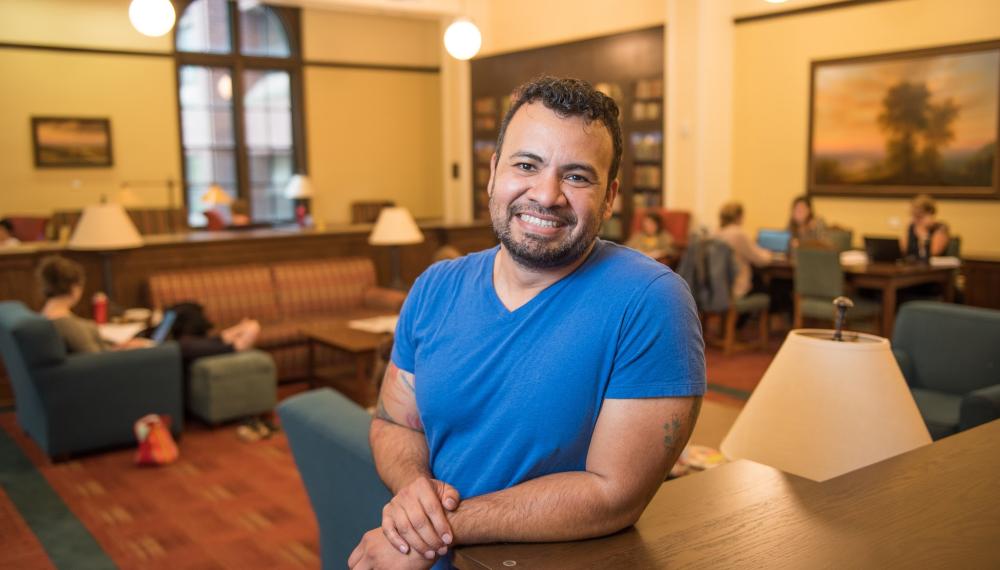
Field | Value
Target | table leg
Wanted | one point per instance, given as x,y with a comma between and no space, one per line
948,286
360,368
888,309
311,359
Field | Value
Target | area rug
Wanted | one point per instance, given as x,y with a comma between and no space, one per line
225,504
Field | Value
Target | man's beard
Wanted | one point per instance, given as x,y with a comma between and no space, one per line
534,252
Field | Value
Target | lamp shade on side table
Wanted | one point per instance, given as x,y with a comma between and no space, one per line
825,408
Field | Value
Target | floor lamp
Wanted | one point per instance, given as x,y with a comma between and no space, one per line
104,228
395,227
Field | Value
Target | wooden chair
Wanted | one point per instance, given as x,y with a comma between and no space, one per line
708,268
367,212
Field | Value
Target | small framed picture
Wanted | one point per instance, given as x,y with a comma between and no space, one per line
69,142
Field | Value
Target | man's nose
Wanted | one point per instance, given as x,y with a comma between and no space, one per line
547,191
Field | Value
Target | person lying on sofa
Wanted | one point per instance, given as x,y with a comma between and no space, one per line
61,281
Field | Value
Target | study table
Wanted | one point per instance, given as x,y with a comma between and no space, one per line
934,507
888,278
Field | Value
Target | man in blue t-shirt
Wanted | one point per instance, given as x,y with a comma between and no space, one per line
540,390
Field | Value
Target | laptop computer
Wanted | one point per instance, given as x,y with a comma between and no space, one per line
774,240
882,249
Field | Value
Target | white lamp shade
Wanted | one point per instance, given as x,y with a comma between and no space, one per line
216,196
299,188
105,227
825,408
152,17
462,39
395,226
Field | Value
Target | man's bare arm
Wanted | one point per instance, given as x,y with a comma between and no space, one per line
397,436
634,445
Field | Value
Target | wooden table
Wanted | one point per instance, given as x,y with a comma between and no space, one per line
934,507
888,278
338,335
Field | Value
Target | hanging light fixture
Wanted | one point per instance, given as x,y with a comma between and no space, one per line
462,39
152,17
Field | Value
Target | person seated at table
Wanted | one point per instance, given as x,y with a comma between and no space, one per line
926,236
7,234
804,226
746,253
62,280
651,239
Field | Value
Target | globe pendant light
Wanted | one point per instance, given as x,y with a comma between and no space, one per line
462,39
152,17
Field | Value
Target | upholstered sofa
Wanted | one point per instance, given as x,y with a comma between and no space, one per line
283,297
73,403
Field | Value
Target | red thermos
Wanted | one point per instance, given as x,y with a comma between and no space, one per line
100,307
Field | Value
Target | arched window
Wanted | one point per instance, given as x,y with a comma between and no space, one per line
239,75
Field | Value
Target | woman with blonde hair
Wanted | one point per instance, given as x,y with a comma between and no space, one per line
926,236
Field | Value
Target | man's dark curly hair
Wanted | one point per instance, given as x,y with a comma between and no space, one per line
570,98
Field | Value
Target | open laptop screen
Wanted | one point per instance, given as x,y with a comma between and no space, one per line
774,240
163,329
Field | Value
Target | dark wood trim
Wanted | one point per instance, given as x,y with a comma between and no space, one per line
86,50
805,10
374,66
900,191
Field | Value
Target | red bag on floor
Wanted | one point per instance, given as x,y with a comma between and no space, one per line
156,445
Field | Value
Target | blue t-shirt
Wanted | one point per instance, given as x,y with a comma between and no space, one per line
506,397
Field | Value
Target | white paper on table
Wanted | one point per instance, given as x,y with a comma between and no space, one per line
376,325
118,333
853,257
945,261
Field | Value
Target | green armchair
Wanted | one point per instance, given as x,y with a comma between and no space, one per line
950,356
72,403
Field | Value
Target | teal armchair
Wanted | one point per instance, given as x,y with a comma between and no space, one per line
328,435
950,356
73,403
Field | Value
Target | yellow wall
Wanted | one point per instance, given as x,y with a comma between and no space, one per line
138,94
370,134
373,134
771,107
514,25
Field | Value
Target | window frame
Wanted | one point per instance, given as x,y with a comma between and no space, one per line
237,63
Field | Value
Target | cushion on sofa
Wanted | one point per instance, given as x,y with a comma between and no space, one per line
308,288
228,294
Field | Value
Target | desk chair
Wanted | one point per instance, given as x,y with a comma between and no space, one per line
841,239
819,279
708,268
328,435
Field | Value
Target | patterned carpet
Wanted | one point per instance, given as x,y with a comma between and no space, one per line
225,504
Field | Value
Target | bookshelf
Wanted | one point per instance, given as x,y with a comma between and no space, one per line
627,67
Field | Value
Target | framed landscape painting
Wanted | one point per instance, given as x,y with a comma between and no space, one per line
900,124
71,142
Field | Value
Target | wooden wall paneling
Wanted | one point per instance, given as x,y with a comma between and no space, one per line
982,281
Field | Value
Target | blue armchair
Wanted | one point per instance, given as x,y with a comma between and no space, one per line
950,356
328,435
72,403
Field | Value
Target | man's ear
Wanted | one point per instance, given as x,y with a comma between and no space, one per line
493,172
609,199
